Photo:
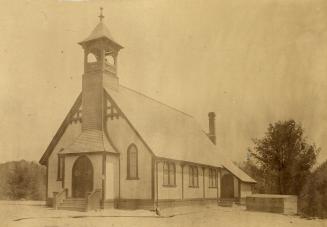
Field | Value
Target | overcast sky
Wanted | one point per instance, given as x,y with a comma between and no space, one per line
253,62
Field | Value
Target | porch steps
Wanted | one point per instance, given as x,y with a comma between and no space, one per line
75,204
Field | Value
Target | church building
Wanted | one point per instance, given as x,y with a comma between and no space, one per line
118,148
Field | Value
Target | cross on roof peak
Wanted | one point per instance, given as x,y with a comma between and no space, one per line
101,14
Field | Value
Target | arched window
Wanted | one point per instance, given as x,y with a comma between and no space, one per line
132,162
110,59
169,173
91,58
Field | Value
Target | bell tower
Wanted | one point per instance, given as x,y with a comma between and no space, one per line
100,68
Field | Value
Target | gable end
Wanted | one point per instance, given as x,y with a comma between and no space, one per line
61,130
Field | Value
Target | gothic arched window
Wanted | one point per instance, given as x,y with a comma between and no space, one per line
132,162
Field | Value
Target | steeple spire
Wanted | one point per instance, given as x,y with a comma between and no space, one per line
101,14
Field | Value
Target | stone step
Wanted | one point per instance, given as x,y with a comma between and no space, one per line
75,199
75,202
80,206
72,208
73,205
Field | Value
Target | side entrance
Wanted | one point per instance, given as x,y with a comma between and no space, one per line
227,186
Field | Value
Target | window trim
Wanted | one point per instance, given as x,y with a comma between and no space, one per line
193,176
129,177
171,169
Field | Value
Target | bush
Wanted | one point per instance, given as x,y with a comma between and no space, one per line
22,180
313,197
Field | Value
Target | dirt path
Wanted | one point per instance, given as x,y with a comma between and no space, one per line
37,215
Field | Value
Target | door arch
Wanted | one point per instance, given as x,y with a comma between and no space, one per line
82,177
227,186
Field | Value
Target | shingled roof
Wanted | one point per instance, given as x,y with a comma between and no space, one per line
167,132
170,133
90,141
100,31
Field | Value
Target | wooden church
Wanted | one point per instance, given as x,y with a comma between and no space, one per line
118,148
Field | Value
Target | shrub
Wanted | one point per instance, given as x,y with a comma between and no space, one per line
22,180
313,197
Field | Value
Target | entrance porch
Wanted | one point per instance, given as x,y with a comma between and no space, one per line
89,181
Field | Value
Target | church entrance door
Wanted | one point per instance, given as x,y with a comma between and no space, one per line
227,186
82,179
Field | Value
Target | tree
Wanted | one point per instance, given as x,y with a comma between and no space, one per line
22,180
284,158
313,197
250,167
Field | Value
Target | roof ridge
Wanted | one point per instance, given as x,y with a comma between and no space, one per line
173,108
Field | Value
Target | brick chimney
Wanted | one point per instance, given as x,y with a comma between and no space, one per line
212,127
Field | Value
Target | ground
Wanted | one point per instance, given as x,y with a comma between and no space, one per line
35,214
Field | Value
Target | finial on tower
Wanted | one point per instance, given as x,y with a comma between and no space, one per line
101,15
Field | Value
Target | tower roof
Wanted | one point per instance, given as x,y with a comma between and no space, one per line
100,31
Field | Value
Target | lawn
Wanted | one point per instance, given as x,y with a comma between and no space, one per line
35,214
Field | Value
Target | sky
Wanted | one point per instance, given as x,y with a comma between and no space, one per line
252,62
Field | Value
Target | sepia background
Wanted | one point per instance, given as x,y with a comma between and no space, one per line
253,62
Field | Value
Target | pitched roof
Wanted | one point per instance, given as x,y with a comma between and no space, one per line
170,133
90,141
61,130
100,31
87,141
228,164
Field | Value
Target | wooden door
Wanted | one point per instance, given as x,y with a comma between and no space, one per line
82,179
227,186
